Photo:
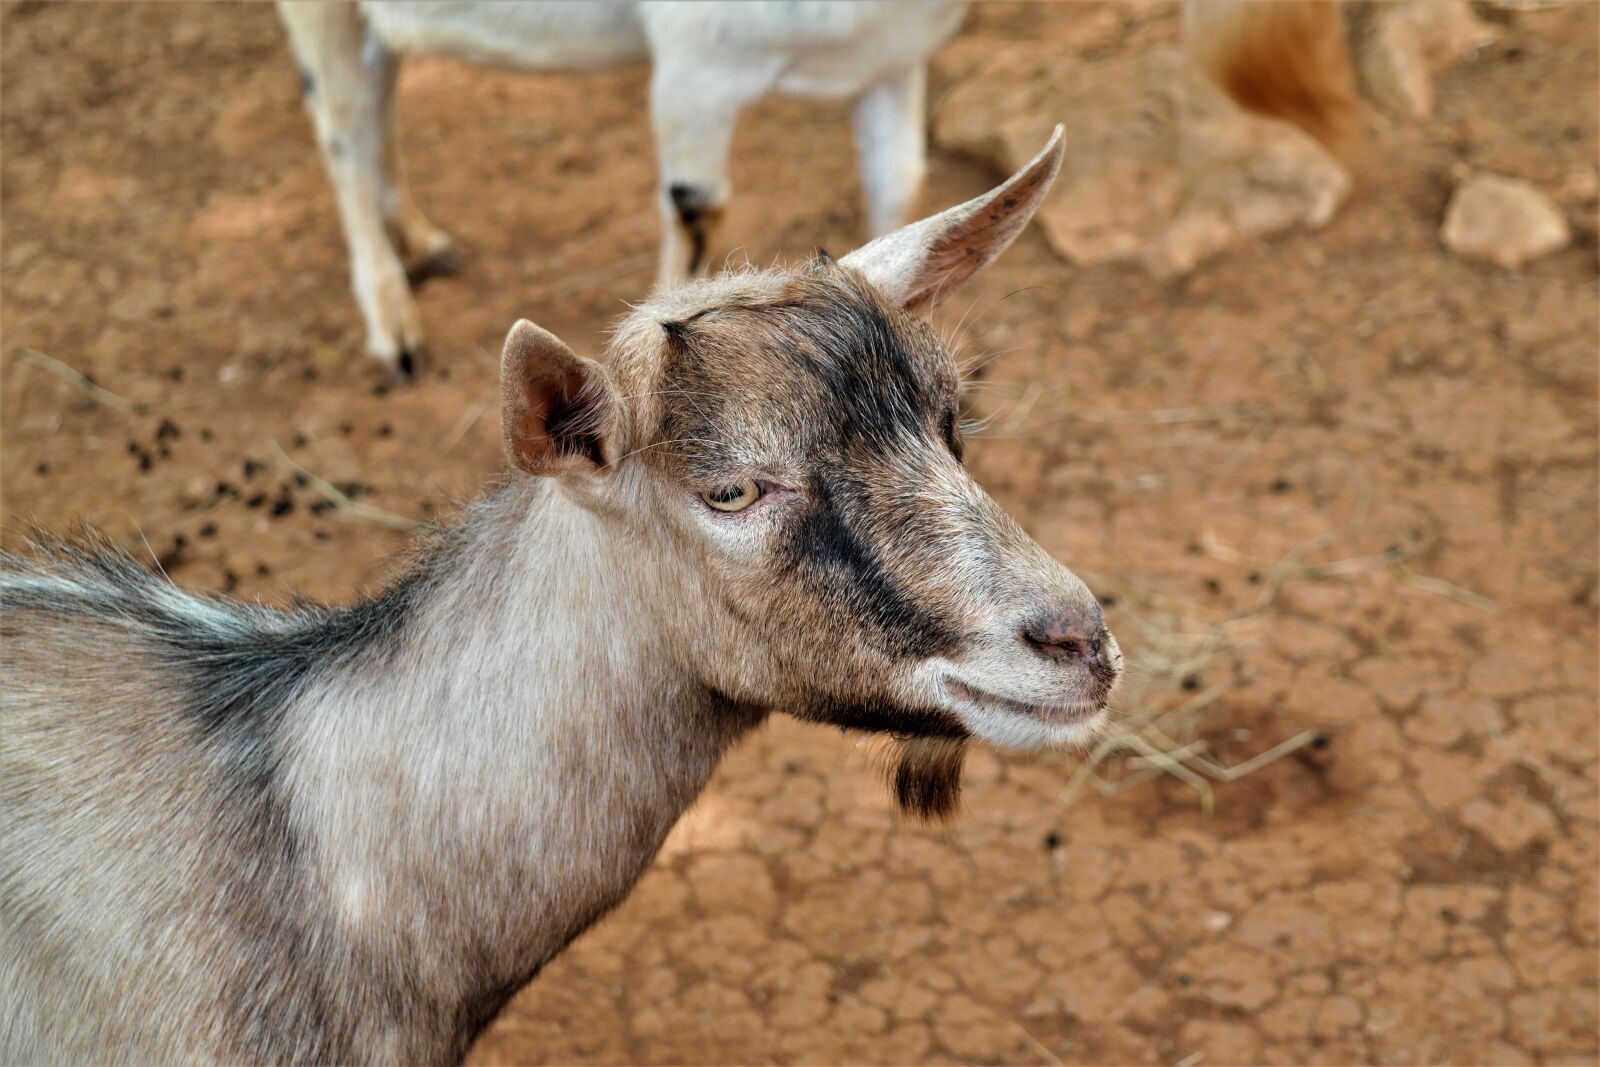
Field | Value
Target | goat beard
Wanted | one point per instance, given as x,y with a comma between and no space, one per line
926,776
928,746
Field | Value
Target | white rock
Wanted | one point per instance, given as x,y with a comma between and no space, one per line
1504,221
1406,42
1161,170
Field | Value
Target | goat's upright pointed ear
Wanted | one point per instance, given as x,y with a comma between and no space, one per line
559,412
919,265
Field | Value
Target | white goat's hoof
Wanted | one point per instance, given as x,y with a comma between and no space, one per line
405,366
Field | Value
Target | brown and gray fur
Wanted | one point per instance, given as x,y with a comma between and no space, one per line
350,834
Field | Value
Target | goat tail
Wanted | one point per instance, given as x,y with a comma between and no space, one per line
1285,59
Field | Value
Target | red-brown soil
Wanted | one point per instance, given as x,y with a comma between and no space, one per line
1420,889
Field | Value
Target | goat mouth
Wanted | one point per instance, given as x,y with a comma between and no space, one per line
1073,713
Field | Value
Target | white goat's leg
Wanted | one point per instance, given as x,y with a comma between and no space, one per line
693,109
891,141
423,247
348,77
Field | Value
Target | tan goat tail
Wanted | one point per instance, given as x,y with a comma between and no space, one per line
1286,59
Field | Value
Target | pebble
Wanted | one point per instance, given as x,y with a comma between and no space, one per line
1505,221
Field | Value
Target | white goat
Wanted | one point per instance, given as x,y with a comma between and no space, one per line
230,834
709,60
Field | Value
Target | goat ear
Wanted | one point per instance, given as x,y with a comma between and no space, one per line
919,265
559,412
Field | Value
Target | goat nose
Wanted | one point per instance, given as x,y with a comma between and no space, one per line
1074,636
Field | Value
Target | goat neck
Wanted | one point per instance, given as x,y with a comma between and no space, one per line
498,780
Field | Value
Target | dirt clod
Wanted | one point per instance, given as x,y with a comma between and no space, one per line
1503,220
1163,171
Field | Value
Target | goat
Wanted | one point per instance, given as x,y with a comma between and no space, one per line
235,834
709,61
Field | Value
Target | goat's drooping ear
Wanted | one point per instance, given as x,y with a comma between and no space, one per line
919,265
559,413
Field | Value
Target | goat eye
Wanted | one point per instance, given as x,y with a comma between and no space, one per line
733,497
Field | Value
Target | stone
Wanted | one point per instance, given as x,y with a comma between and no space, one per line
1504,221
1403,45
1162,169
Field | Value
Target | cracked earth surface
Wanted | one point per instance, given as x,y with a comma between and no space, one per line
1422,888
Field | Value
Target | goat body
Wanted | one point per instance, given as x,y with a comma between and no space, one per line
709,61
277,826
231,834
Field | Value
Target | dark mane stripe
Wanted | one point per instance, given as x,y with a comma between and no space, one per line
244,662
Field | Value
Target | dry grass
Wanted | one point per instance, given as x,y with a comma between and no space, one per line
343,506
1161,716
95,393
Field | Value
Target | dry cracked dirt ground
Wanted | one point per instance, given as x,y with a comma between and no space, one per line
1335,481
